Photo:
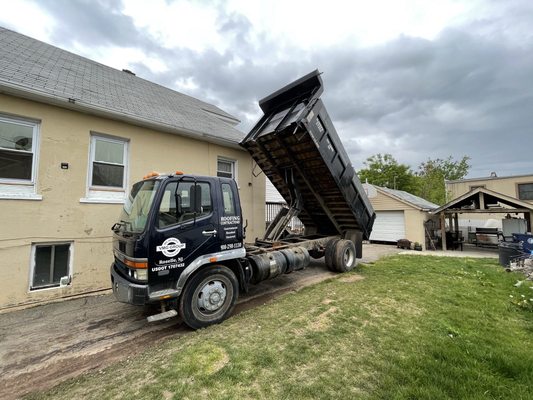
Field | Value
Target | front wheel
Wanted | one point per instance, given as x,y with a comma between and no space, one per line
209,297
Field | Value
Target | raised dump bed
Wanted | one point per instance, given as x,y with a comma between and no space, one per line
298,149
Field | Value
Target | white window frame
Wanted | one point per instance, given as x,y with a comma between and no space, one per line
233,166
23,189
106,194
32,265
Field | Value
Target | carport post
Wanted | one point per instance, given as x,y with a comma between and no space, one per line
443,230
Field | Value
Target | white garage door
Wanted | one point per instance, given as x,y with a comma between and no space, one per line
389,226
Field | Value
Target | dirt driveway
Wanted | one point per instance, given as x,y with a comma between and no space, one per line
45,345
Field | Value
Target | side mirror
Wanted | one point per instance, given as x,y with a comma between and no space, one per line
179,209
197,199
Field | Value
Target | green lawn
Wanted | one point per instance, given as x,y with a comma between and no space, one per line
414,328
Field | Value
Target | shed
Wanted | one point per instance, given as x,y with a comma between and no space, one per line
399,215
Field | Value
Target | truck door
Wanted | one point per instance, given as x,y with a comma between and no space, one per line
231,232
185,228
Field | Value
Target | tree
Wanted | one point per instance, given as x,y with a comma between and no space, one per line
431,175
383,170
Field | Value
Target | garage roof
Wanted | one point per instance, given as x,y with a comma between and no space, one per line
32,69
406,197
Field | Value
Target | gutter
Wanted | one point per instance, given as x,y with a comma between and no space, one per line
80,106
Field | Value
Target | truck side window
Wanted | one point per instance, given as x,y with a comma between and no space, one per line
227,197
178,203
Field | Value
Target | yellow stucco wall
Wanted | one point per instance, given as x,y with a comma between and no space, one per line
505,185
60,216
383,202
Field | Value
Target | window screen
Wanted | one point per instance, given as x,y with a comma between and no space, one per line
226,169
16,149
108,162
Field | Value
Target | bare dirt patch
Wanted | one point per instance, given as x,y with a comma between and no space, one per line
351,278
323,321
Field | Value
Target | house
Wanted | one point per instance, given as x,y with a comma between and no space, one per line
74,136
517,187
399,215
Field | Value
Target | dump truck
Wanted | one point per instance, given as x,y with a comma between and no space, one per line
180,240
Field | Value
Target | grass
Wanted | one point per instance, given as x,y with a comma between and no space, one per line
414,328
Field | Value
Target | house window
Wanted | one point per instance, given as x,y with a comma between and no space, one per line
51,262
525,191
108,162
226,168
108,169
18,158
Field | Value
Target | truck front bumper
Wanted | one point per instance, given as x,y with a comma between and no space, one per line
126,291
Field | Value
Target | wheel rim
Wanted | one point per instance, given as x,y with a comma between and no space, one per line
212,297
348,257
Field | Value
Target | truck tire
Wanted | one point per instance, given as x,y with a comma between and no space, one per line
209,297
345,256
329,254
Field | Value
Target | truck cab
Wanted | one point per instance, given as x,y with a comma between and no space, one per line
172,226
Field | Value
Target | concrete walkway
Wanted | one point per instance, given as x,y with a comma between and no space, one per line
469,252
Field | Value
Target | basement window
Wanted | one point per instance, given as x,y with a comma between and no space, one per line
51,265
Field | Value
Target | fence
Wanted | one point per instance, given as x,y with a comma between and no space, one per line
272,209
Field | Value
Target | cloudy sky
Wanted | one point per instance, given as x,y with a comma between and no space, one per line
413,78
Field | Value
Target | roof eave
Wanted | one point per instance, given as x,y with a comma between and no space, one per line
80,106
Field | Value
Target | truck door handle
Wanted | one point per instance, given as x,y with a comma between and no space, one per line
209,233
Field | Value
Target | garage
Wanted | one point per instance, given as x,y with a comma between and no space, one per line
389,226
399,215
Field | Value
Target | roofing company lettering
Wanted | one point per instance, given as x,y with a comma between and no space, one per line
171,247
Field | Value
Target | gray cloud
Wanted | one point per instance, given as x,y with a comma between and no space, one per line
93,22
467,92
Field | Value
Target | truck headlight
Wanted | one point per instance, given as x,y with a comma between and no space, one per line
140,274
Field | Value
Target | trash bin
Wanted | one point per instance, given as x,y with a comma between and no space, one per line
508,251
527,241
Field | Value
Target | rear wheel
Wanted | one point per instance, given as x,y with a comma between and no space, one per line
209,297
330,254
344,259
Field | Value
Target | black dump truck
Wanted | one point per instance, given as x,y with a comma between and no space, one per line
180,243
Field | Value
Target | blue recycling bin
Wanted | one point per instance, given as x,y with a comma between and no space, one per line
527,241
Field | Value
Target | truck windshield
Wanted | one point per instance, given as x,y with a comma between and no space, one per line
137,206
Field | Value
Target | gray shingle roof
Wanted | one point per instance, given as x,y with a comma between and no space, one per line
410,198
44,71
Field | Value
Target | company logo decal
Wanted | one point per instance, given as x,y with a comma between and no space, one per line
171,247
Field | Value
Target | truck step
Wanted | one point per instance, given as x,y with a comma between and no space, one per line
162,316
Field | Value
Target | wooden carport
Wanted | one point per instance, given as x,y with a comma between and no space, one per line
480,201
